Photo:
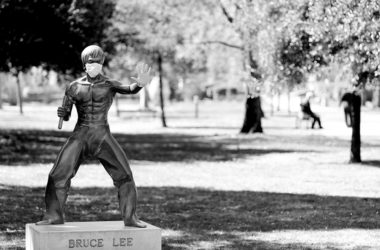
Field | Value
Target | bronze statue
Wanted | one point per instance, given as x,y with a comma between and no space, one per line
93,95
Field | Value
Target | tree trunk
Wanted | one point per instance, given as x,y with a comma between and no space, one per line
288,95
163,118
355,139
19,93
196,106
376,96
253,111
1,95
117,106
363,96
144,99
272,104
253,115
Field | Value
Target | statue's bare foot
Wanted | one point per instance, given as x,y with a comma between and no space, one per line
134,223
50,222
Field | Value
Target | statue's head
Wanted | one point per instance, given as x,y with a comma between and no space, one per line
93,59
93,54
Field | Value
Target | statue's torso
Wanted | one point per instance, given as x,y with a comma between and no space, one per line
92,100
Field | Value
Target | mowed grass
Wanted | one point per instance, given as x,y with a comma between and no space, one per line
204,219
286,189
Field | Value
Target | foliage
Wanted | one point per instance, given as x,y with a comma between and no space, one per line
347,32
160,27
267,30
279,40
52,33
290,40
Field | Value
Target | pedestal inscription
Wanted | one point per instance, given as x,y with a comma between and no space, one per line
107,235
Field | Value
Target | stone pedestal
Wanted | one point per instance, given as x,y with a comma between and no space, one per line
107,235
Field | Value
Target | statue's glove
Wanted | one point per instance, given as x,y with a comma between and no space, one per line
62,112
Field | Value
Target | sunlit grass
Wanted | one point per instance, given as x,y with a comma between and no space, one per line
205,185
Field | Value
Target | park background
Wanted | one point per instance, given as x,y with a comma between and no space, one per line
204,183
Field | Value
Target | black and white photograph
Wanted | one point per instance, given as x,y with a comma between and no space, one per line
190,124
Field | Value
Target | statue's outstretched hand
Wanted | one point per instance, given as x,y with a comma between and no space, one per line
143,75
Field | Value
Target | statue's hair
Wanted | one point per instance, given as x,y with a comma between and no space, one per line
92,51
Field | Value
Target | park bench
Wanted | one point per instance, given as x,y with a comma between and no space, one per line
303,120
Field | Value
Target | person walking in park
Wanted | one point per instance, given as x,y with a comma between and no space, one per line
253,110
306,109
347,102
92,95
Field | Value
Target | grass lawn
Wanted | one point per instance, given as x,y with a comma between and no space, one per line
205,185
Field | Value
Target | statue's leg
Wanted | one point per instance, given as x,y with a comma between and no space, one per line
65,167
114,160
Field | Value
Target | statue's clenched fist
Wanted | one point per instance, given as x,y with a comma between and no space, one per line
62,112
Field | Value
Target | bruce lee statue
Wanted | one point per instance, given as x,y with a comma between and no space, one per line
92,96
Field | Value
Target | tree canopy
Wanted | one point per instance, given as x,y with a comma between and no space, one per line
52,33
278,39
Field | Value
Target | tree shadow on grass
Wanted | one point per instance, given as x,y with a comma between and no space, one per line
36,146
211,127
199,216
373,163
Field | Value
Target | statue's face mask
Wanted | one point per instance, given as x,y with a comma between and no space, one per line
93,69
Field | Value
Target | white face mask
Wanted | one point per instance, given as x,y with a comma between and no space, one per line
93,69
